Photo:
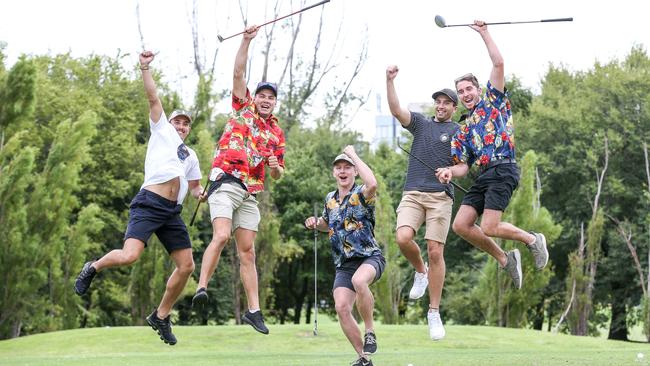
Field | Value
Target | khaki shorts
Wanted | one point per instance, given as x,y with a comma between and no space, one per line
233,202
433,207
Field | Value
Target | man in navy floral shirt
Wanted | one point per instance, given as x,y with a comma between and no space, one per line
349,218
487,139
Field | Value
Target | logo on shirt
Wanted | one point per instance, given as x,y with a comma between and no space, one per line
182,152
444,137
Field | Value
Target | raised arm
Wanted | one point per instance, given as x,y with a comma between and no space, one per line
155,106
497,75
368,178
238,80
402,114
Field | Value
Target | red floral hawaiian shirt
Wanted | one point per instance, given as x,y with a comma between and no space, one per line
247,142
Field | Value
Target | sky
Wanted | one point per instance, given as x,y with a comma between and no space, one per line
398,32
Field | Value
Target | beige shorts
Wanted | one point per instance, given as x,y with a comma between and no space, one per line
232,202
433,207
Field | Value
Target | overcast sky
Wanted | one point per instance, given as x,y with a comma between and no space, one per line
399,32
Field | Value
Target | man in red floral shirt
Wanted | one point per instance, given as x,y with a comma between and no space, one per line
251,140
487,139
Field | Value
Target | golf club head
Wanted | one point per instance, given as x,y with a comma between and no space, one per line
315,332
220,38
440,21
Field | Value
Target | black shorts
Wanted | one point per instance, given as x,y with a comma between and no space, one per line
493,188
346,270
150,213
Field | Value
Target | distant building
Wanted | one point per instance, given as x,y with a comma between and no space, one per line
388,129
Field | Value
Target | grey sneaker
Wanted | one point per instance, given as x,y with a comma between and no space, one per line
539,251
513,267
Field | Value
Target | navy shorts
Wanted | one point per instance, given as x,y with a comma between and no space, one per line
493,188
348,267
150,213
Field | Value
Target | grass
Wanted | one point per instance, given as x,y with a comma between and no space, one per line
296,345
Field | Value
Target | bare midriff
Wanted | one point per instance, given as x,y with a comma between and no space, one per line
168,190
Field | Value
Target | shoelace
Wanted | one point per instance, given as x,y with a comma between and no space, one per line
370,339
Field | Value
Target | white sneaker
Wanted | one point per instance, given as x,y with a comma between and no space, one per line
420,283
436,330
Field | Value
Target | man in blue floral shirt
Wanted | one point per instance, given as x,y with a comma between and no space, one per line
487,140
349,218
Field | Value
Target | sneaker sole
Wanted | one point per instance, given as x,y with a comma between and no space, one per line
199,301
545,250
76,290
155,328
247,321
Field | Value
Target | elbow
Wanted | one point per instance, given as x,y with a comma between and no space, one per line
498,63
371,185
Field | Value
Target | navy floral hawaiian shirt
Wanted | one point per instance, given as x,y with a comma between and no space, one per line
351,225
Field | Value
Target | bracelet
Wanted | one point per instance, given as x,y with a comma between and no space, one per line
144,67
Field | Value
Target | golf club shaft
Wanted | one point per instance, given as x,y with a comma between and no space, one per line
221,39
522,22
316,270
199,204
429,166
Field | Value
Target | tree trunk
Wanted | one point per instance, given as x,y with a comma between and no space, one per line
618,325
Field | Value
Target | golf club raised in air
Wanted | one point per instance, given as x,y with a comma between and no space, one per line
440,22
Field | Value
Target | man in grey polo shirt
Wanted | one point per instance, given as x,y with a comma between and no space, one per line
425,199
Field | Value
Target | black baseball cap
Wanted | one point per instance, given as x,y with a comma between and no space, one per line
448,93
266,85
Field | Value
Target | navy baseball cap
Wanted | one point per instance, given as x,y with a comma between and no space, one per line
266,85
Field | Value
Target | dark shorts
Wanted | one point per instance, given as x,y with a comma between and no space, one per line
150,213
493,188
346,270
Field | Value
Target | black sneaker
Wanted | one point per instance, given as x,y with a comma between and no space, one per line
84,278
163,327
256,320
370,343
200,299
362,361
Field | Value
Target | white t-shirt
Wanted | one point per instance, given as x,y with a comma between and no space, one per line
168,157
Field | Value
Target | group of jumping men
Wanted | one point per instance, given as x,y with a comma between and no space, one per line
253,139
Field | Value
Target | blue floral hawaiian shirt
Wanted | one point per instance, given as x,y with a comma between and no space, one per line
488,133
351,225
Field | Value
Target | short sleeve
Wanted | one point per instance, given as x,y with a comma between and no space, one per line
238,103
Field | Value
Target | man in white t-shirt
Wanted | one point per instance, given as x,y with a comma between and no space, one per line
170,170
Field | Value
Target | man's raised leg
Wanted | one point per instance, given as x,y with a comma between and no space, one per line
221,228
365,302
245,240
411,252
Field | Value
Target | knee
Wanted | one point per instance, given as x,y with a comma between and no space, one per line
435,253
403,236
186,268
459,227
489,229
247,256
219,240
359,284
129,257
343,309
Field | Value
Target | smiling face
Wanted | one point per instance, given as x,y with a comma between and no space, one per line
468,93
265,102
182,126
344,173
445,108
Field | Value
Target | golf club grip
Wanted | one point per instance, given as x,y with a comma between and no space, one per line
557,20
199,204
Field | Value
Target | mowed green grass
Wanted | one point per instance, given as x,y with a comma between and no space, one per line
296,345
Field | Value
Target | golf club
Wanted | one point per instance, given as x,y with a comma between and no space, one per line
428,166
207,184
440,22
221,39
316,271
